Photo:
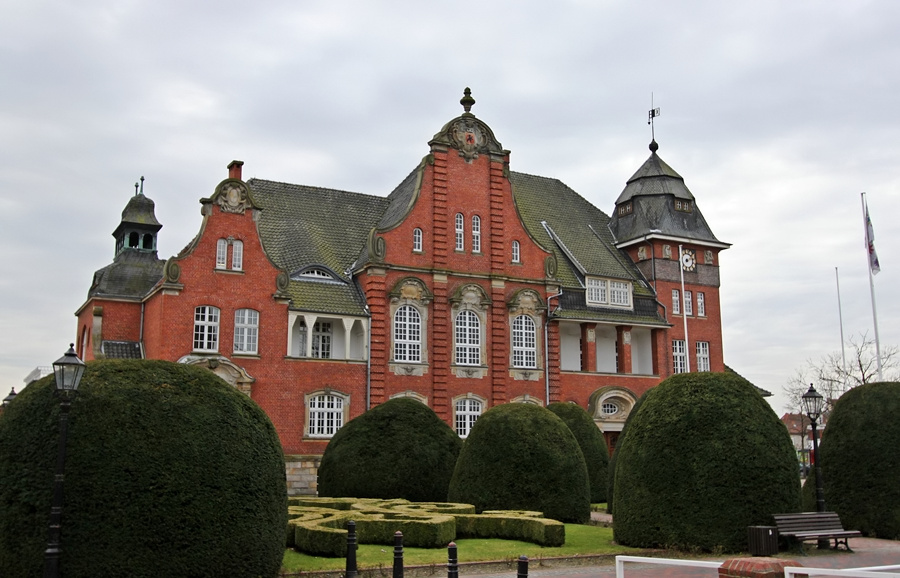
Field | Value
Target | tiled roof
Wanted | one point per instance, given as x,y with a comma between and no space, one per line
121,349
652,192
302,225
401,199
577,231
131,275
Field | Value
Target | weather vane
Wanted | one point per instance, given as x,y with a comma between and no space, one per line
654,112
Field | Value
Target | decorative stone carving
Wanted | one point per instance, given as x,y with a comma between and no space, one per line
642,253
172,271
411,289
468,137
377,247
667,251
233,198
708,257
526,302
550,266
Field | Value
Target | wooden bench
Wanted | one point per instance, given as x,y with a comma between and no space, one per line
814,526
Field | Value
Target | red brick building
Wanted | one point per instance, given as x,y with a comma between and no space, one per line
469,285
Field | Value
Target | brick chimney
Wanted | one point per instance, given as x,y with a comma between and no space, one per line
234,169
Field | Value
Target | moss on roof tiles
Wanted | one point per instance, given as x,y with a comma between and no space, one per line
132,274
298,224
401,199
580,228
316,296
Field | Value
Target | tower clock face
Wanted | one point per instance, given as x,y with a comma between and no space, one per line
688,260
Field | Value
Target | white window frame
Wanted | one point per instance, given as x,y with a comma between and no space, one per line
703,356
516,252
222,254
679,356
466,411
246,331
701,304
476,234
597,292
688,303
206,328
417,240
619,294
407,335
524,342
322,335
467,327
460,232
237,255
676,302
325,413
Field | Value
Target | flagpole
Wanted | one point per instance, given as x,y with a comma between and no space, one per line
687,355
870,248
837,280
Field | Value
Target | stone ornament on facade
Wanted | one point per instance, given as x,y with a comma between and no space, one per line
411,289
233,197
468,137
526,302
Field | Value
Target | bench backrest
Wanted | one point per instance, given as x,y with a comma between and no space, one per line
808,522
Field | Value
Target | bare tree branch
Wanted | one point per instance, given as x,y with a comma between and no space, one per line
832,378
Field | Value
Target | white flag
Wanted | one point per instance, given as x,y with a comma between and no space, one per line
870,244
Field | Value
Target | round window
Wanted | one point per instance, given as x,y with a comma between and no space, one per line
608,408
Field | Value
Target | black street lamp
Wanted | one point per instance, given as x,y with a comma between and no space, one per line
813,405
9,398
68,370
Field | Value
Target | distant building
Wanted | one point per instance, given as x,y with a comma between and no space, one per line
468,286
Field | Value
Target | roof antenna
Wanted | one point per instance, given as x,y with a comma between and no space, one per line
142,185
654,112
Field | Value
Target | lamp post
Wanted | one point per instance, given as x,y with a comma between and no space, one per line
68,370
813,404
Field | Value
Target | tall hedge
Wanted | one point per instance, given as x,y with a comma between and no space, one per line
704,457
591,442
523,457
611,475
399,449
860,460
170,472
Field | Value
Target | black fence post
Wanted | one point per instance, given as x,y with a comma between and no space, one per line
398,555
452,561
523,567
351,550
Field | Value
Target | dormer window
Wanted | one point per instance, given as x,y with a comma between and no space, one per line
317,274
684,206
625,209
608,292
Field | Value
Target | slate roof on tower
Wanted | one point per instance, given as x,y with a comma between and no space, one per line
650,198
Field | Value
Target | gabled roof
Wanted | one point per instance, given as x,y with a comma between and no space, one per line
302,225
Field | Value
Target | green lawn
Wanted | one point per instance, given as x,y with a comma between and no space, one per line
580,540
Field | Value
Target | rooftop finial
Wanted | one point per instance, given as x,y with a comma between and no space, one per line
654,112
135,189
142,184
467,101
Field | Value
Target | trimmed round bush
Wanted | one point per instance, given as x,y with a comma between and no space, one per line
860,460
520,456
169,472
611,470
399,449
591,442
704,456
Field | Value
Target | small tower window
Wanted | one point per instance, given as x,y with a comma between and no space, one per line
516,255
133,240
417,240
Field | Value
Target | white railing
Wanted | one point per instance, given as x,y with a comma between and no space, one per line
869,572
621,560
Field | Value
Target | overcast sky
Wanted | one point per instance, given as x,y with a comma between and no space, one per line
777,114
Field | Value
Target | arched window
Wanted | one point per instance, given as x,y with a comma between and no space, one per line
221,253
246,331
476,234
237,255
516,256
417,240
460,239
466,410
325,413
133,240
524,342
206,328
147,242
407,335
468,339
